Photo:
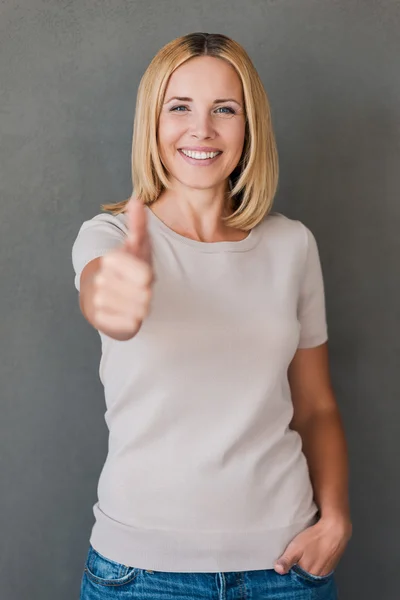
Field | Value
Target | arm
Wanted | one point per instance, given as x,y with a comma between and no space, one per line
316,418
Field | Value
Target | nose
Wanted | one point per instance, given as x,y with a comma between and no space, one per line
202,126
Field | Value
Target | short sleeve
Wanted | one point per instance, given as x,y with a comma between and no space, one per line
311,302
95,238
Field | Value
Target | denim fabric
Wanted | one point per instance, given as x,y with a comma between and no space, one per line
104,579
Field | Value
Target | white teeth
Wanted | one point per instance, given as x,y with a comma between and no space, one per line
199,155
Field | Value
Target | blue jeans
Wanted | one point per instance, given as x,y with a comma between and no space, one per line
104,579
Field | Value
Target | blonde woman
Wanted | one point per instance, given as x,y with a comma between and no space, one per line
226,474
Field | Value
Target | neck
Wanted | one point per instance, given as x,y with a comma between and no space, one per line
197,214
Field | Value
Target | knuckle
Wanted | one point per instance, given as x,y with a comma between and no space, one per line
110,260
98,317
99,279
97,300
106,260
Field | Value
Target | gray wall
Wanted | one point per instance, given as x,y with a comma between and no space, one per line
69,72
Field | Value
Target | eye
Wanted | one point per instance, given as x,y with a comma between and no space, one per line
228,108
225,110
175,108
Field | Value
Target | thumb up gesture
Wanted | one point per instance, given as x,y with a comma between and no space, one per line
138,241
123,284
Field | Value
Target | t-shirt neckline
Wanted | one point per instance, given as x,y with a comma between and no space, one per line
224,246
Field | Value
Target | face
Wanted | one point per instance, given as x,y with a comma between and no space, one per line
202,123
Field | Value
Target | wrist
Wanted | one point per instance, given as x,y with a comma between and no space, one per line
341,521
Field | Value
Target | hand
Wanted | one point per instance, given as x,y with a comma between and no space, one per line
123,283
317,549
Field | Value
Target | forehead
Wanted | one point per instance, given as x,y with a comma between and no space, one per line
205,76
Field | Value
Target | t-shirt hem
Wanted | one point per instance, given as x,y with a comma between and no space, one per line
313,342
193,552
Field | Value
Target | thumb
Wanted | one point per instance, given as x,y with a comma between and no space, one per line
289,558
137,227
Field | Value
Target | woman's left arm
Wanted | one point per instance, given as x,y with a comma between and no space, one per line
316,418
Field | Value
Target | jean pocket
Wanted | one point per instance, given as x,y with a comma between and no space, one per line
309,577
104,571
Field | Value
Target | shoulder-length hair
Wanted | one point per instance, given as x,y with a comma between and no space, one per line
254,181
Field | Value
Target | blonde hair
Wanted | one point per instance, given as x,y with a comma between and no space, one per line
254,181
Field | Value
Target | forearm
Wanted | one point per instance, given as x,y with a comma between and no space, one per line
325,448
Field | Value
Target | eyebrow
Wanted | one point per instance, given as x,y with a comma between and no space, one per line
186,99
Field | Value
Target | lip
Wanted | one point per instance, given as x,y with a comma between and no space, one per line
200,149
199,163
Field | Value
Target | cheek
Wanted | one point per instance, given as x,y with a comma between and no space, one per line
234,138
169,132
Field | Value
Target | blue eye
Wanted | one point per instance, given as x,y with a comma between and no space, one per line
220,108
174,108
230,110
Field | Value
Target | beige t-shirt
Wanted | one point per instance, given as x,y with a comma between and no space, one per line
203,473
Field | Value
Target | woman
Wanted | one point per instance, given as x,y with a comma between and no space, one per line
226,475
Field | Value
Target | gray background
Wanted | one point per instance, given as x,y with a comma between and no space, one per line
69,72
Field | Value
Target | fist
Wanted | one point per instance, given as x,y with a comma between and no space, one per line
123,283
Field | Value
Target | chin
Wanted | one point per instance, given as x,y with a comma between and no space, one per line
202,186
200,183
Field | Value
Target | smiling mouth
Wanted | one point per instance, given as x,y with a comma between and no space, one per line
196,155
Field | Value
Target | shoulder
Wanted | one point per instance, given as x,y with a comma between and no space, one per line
292,232
104,222
97,235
